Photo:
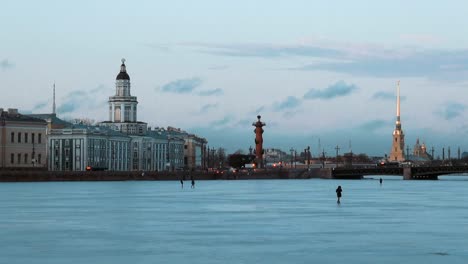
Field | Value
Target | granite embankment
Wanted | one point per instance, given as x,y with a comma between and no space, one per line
44,175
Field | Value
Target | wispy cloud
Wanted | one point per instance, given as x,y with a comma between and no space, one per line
182,85
245,122
430,64
265,50
215,92
82,99
39,106
208,107
386,96
451,110
374,125
5,64
258,110
289,103
222,122
218,67
158,47
338,89
357,59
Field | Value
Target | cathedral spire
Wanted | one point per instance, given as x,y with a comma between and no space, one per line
397,152
398,102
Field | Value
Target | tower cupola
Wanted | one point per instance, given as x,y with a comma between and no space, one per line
123,75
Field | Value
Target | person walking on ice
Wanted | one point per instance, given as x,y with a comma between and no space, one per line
338,193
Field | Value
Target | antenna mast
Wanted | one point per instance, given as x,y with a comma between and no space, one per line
53,104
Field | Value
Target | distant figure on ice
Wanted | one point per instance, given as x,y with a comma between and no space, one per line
182,183
338,193
380,181
193,182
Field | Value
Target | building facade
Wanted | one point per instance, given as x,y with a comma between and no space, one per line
78,147
22,140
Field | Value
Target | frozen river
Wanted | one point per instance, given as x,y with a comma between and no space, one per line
254,221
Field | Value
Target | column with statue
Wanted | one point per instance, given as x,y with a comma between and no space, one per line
259,142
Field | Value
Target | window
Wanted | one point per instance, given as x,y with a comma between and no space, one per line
39,158
25,137
19,137
19,159
12,137
12,158
39,138
32,137
185,146
25,158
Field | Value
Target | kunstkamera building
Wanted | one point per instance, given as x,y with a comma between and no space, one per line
123,143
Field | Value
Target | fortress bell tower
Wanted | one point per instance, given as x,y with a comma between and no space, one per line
397,153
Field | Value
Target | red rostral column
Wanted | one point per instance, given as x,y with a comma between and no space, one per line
259,142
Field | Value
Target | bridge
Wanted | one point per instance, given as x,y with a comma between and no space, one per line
408,173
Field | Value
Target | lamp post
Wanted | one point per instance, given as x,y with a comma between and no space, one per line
213,157
168,154
323,158
337,150
292,157
33,160
208,157
295,159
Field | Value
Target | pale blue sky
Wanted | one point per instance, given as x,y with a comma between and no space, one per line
312,69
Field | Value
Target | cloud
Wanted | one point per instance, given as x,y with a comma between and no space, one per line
5,64
434,64
208,107
338,89
288,103
258,110
387,96
82,99
374,125
216,92
39,105
451,110
182,85
218,67
356,58
222,122
245,123
384,96
158,47
265,50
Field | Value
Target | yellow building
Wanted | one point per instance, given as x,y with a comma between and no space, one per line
22,140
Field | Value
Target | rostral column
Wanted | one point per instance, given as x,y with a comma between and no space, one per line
258,142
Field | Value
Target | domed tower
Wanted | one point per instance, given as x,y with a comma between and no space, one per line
123,106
